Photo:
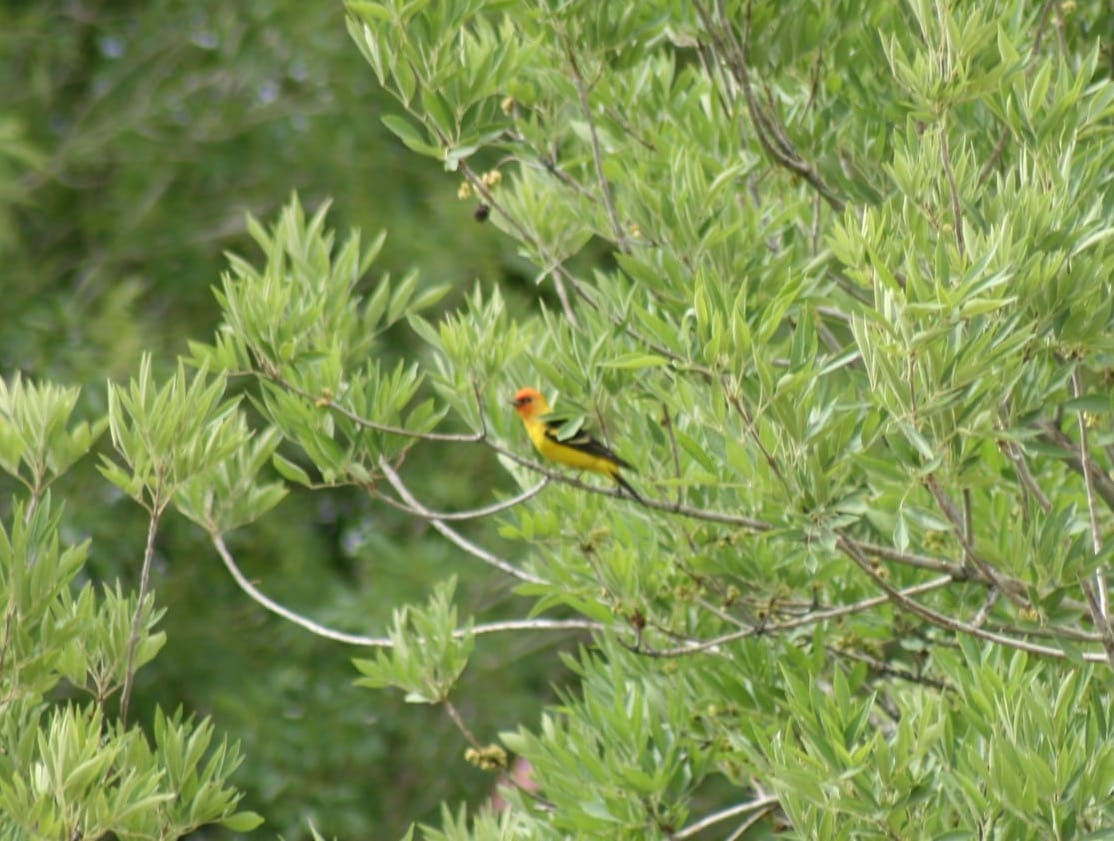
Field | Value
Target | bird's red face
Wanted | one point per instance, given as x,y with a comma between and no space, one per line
527,402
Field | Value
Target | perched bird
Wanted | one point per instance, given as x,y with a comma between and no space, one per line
576,448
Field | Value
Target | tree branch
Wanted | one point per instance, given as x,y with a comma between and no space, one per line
946,622
450,533
316,628
761,805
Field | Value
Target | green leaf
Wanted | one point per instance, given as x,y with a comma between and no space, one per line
401,128
631,361
372,13
242,821
290,471
1093,403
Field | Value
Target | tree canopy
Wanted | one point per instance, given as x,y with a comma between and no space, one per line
835,278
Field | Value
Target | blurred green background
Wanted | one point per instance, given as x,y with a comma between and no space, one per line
134,137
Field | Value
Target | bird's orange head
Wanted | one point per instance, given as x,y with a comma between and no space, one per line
530,403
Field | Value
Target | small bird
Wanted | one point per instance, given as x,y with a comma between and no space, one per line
576,449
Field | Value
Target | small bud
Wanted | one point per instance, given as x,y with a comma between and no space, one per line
489,758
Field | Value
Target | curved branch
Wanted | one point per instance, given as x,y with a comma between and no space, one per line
266,602
450,533
471,513
760,805
316,628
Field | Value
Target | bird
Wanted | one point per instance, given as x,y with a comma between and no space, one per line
576,449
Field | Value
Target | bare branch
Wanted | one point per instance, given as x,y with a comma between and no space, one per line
470,514
560,271
1025,475
771,136
885,668
450,533
760,804
269,604
667,425
1086,463
286,613
328,402
458,720
988,166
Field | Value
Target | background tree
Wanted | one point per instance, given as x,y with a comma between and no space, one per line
135,137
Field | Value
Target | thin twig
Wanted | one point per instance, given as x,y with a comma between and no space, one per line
1095,592
667,424
745,826
1085,460
987,605
957,209
454,714
265,601
957,520
558,267
137,618
1103,485
752,430
1048,633
606,191
886,668
770,135
988,166
1013,453
791,624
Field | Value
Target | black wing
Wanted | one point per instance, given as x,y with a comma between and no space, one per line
581,440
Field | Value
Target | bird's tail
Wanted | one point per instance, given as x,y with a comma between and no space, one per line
625,485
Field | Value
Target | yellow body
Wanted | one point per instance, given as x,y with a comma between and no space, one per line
579,450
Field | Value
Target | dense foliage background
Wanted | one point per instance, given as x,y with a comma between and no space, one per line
836,277
135,137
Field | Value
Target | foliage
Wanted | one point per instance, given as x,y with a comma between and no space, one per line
854,326
133,138
71,765
837,279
